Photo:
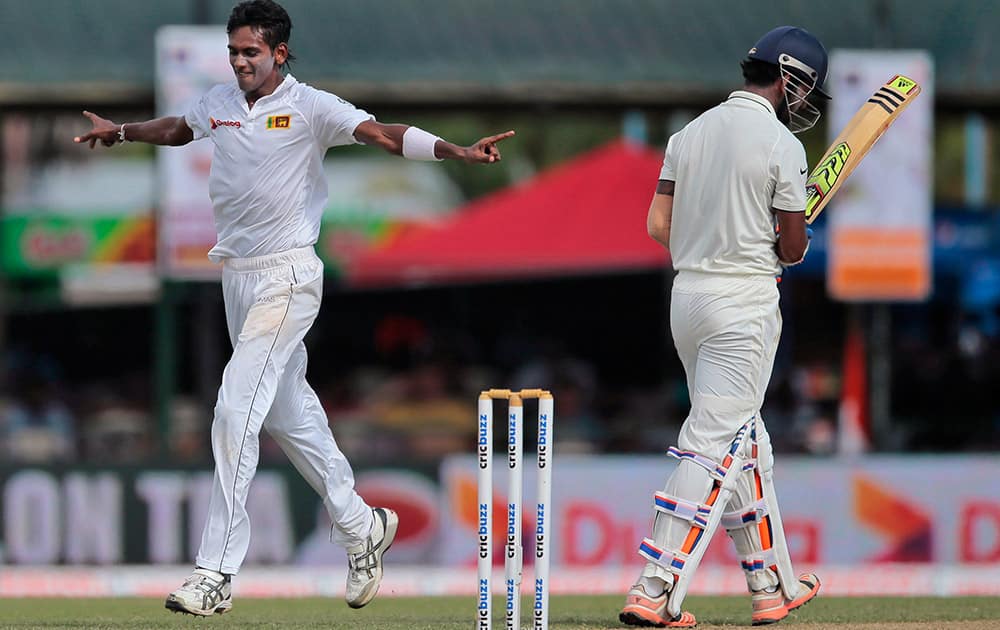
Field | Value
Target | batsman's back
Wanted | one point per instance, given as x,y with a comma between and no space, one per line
731,165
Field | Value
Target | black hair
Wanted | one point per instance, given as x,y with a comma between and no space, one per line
759,73
265,17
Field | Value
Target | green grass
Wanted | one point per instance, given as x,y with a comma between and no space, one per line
447,613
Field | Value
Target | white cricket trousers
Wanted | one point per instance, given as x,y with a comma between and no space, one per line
726,331
271,302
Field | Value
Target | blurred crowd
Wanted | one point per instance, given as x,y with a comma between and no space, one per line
415,405
45,419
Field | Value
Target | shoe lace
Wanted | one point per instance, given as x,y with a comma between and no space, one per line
364,560
205,585
367,559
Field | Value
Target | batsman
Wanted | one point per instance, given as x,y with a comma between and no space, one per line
729,206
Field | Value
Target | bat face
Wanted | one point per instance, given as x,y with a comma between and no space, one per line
856,139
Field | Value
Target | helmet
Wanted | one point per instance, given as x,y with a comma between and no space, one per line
802,62
798,50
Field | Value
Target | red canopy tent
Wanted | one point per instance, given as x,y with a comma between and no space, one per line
584,215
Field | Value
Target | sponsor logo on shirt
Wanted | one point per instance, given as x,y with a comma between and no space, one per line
284,121
224,123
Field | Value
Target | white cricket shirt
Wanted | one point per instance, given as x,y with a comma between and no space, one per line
730,166
267,184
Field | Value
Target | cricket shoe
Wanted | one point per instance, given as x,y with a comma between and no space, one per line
204,593
773,607
643,609
364,562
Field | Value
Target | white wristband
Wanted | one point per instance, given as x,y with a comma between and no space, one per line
121,133
419,145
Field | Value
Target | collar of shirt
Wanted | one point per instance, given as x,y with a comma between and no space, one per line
750,96
285,85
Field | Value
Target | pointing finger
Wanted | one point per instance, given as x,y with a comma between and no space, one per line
499,137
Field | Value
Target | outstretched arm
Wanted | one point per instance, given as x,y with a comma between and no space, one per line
167,131
418,144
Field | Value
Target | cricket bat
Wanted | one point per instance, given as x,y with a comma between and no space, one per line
856,139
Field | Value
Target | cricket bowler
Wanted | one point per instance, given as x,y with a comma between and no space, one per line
268,192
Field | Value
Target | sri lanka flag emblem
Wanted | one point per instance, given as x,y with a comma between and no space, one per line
279,122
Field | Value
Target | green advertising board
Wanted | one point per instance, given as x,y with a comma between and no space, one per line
41,244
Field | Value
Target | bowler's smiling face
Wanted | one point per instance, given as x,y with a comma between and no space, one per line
253,60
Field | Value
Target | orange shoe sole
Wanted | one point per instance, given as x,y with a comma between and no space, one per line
811,580
776,609
777,614
633,615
